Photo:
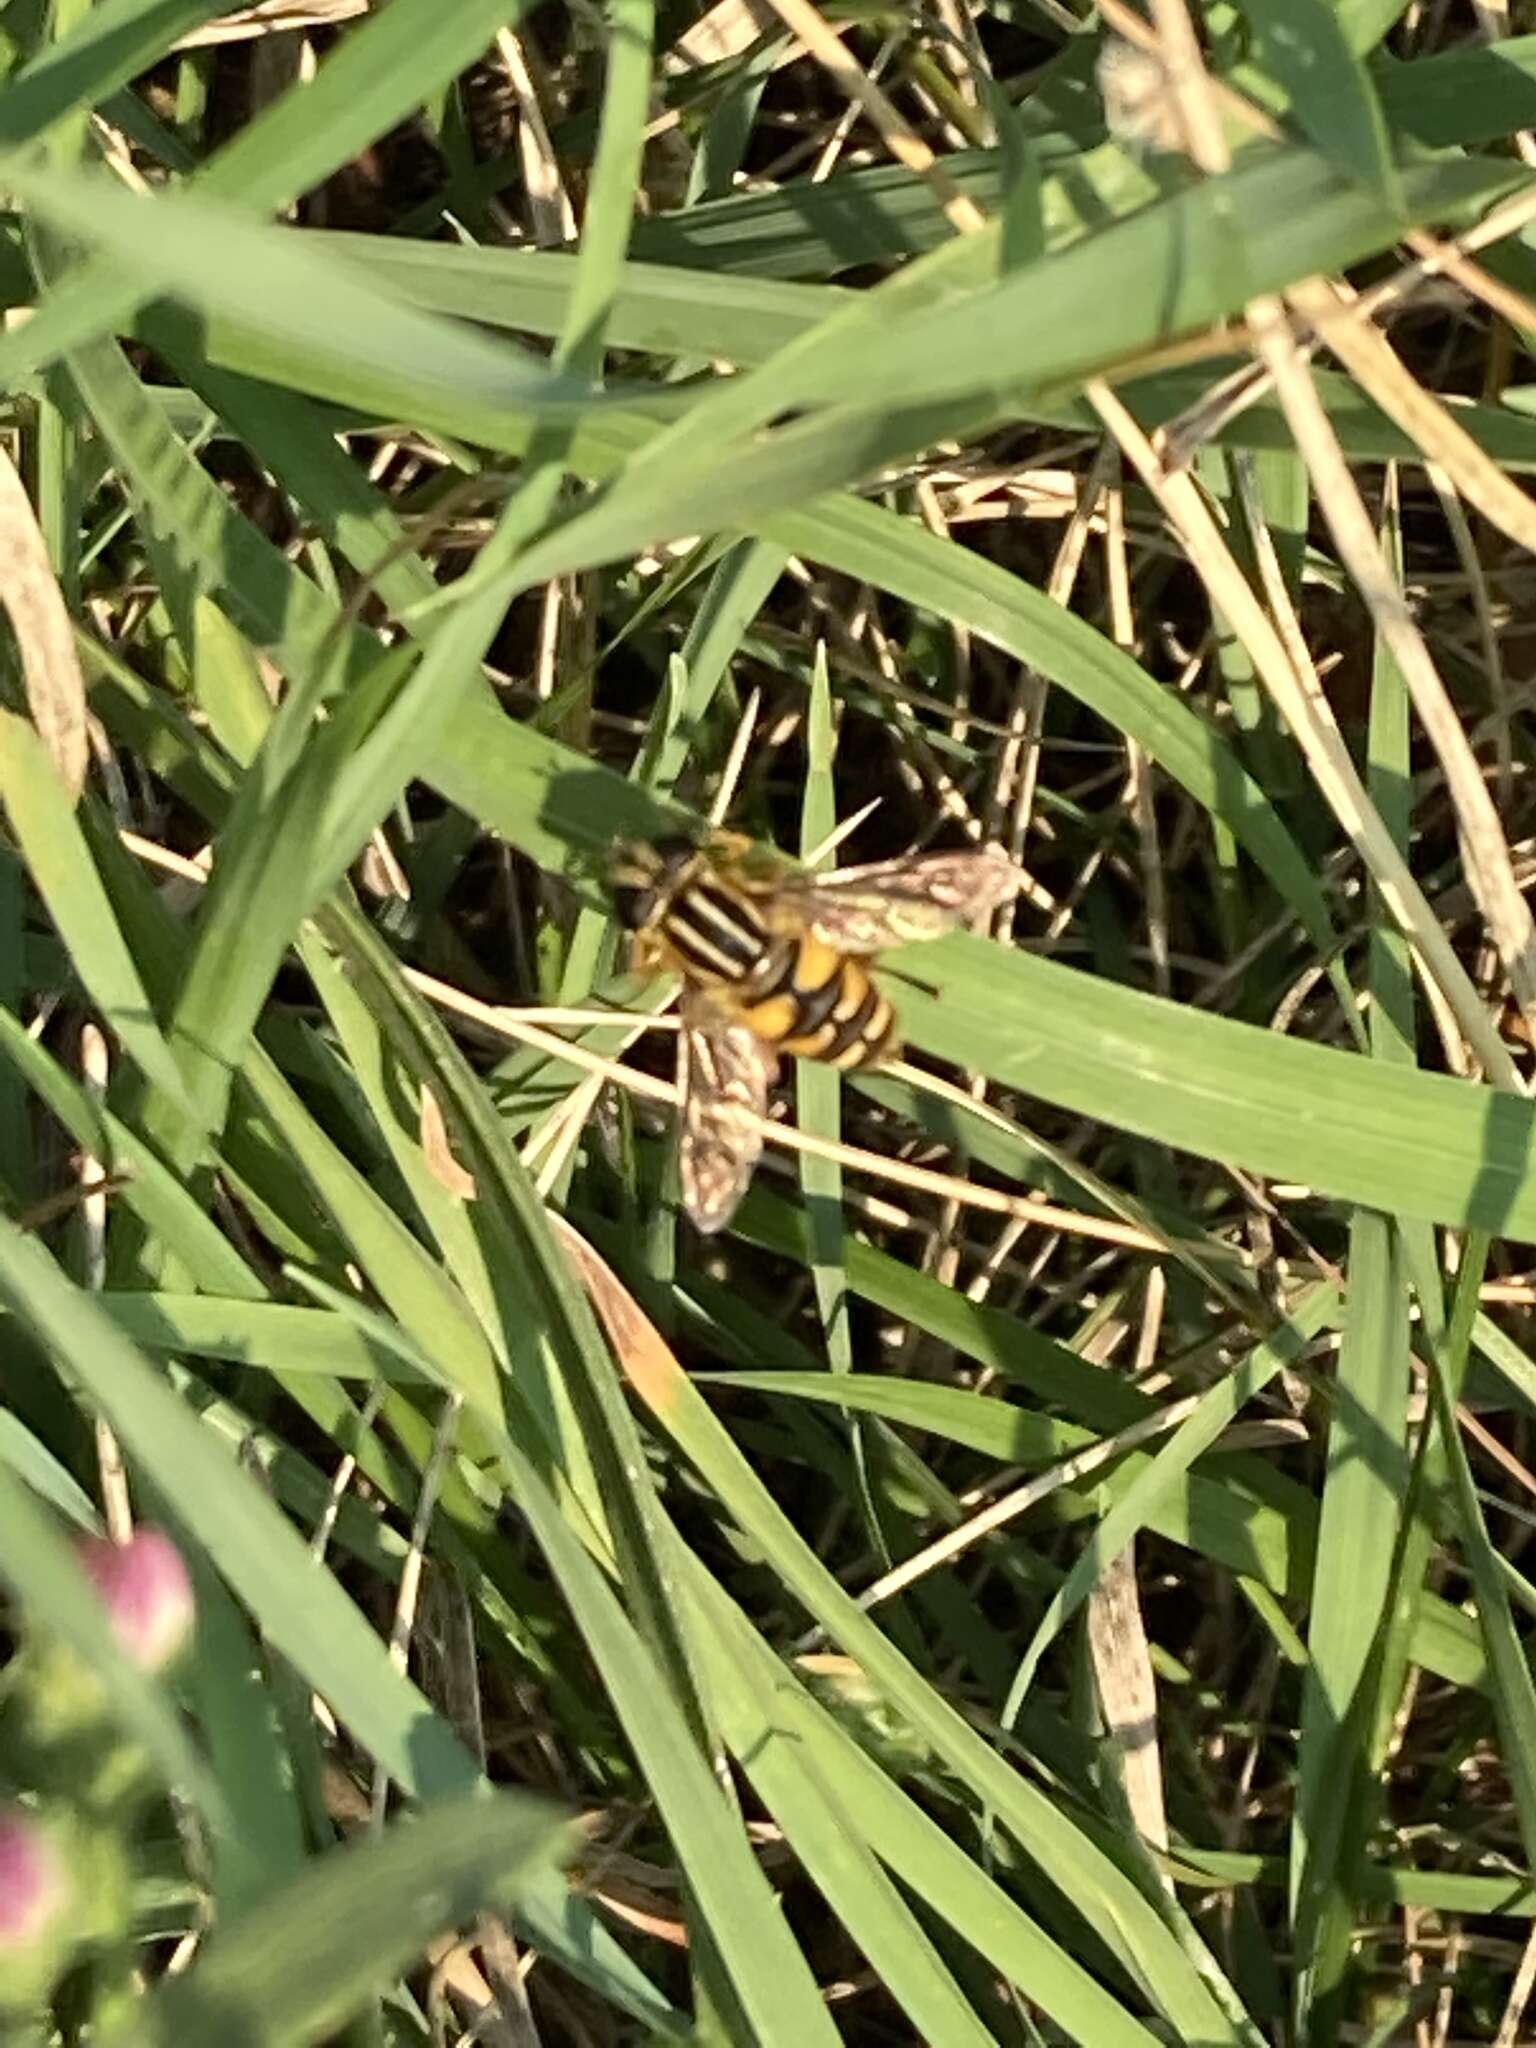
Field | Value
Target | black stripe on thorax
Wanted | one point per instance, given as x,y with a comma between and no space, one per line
715,932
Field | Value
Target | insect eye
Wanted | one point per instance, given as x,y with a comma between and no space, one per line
636,906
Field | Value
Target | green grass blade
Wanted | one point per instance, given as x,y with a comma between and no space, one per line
1507,1359
532,1352
168,1208
615,178
953,583
409,1281
1207,1517
1514,1693
1126,1920
60,864
302,1611
1469,94
774,1713
107,46
261,1842
999,1429
1301,48
25,1454
380,71
1427,1145
658,308
1365,1482
1368,1555
1164,271
818,1089
298,1965
767,1970
763,1717
1137,1505
1465,95
308,313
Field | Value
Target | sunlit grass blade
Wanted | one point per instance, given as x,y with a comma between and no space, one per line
59,861
1427,1145
1357,1533
837,1805
1066,1854
381,71
1138,1503
1362,1551
307,311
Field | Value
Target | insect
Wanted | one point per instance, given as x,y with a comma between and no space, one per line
774,961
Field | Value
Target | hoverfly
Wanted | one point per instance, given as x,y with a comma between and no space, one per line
774,961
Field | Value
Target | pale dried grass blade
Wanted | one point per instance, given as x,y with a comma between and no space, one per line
998,1513
640,1351
1374,364
1520,1990
735,760
1301,703
1485,849
1178,439
725,30
437,1151
1199,118
904,143
1122,1668
45,636
270,17
549,207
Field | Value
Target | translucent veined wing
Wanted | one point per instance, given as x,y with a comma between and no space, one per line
900,902
724,1073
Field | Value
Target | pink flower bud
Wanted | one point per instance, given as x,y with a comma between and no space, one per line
34,1887
147,1592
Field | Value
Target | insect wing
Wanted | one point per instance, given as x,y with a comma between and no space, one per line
901,902
725,1072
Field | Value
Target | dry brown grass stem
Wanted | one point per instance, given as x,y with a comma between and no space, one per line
955,1542
1332,312
1291,682
270,18
1484,846
1300,701
45,633
1331,308
908,147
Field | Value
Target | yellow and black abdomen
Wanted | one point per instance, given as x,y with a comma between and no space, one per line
808,999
